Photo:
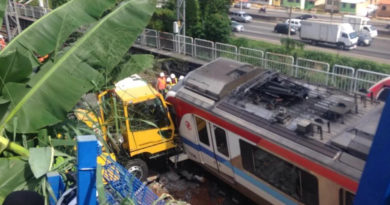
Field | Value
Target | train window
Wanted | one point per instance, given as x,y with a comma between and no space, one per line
202,131
286,177
348,196
220,138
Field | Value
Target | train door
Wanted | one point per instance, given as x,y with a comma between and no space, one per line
205,143
220,140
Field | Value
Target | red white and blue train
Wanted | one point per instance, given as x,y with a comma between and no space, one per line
275,139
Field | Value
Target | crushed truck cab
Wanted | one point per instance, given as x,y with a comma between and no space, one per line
134,118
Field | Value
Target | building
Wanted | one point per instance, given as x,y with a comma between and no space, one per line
294,3
355,7
383,8
310,4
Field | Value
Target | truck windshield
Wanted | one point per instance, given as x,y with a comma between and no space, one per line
147,115
353,35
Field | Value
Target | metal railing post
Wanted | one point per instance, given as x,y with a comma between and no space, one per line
87,152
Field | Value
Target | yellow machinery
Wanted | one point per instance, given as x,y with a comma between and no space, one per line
135,121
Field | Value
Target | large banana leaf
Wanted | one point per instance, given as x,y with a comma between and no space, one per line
50,31
3,6
57,87
15,175
15,67
136,64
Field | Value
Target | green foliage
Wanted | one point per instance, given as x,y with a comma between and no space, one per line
162,20
206,19
75,72
239,42
57,3
217,28
135,64
3,5
41,160
15,175
193,25
291,44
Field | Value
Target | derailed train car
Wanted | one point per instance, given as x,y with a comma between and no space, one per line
275,139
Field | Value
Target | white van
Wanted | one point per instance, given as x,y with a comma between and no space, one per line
240,16
295,23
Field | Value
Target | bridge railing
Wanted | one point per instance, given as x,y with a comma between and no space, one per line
341,77
28,11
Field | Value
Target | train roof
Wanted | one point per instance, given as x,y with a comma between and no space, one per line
330,126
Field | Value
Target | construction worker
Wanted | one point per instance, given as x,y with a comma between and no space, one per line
2,42
174,79
169,84
161,83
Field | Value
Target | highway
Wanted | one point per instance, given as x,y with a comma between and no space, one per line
262,29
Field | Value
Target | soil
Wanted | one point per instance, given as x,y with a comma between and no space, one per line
190,183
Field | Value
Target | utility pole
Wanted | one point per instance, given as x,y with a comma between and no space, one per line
12,18
240,5
289,22
331,12
181,16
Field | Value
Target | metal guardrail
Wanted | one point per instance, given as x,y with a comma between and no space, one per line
341,77
28,11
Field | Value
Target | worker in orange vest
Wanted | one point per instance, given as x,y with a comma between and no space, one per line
2,42
161,84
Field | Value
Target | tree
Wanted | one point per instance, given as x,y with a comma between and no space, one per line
216,23
193,25
162,20
217,28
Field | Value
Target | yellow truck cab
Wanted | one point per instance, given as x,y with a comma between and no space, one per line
135,117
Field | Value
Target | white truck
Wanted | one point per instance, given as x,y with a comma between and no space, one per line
361,24
341,35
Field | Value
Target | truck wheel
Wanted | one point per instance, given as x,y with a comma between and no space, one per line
341,46
138,168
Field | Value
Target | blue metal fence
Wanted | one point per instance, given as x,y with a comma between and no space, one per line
121,185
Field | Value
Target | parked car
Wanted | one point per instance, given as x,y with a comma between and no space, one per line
240,16
283,28
364,39
237,26
245,5
295,23
306,16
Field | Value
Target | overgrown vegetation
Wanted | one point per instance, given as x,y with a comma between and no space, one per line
206,19
295,48
85,41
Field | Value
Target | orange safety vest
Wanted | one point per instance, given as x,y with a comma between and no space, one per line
161,83
2,44
43,58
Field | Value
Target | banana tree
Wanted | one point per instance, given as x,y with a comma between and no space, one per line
35,95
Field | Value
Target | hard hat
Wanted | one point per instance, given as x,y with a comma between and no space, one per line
169,80
1,36
162,74
173,75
